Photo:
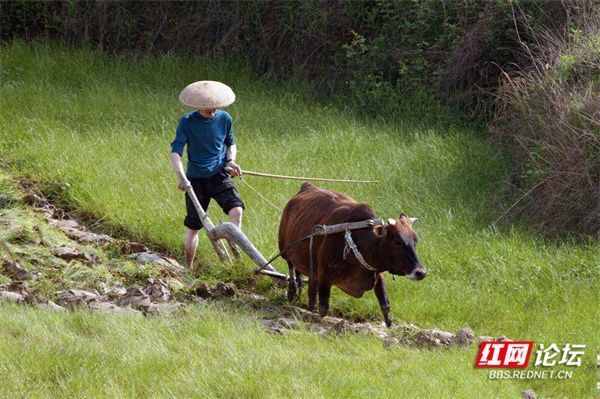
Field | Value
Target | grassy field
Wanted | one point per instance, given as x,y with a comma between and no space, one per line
96,130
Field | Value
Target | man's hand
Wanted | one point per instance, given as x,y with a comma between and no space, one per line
181,186
234,168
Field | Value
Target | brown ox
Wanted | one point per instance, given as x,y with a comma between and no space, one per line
388,248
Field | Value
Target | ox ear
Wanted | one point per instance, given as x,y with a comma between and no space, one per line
379,231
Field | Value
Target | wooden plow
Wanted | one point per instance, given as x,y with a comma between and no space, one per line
232,234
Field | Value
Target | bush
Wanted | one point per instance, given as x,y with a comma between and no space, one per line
549,117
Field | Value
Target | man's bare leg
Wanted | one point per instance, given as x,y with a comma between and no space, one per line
190,245
235,217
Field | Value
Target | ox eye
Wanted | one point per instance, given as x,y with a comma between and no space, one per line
416,240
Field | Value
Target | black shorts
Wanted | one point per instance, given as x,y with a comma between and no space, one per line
220,187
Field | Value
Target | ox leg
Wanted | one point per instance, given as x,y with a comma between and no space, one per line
293,290
384,302
324,292
312,293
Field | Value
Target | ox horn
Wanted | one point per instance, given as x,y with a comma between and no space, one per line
412,220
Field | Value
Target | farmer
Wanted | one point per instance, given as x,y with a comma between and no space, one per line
211,154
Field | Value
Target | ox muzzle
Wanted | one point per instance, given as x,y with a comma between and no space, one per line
418,274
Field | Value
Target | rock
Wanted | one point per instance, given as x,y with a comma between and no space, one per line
77,232
74,297
466,336
4,200
11,296
26,184
130,247
32,199
17,287
158,290
444,337
66,224
15,270
174,284
529,394
134,297
49,305
251,296
279,325
153,257
113,290
109,307
425,339
97,239
68,253
223,290
203,291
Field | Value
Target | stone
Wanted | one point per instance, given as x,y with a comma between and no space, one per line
68,253
34,200
223,290
425,339
158,290
528,394
11,296
130,247
174,284
465,336
77,232
74,297
134,297
203,291
4,200
26,184
279,325
444,337
251,296
113,290
49,305
15,270
153,257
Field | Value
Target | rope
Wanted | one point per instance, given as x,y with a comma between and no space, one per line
251,173
261,196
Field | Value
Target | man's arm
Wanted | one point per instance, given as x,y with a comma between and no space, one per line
178,168
231,153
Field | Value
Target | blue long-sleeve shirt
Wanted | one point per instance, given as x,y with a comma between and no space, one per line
207,140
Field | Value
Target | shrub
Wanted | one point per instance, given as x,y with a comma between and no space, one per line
549,117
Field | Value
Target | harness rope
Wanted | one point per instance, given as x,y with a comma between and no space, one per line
324,230
261,196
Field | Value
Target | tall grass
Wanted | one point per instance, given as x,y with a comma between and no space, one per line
99,128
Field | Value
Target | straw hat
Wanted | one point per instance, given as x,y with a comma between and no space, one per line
207,94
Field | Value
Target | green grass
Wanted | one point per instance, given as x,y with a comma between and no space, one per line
97,130
213,351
